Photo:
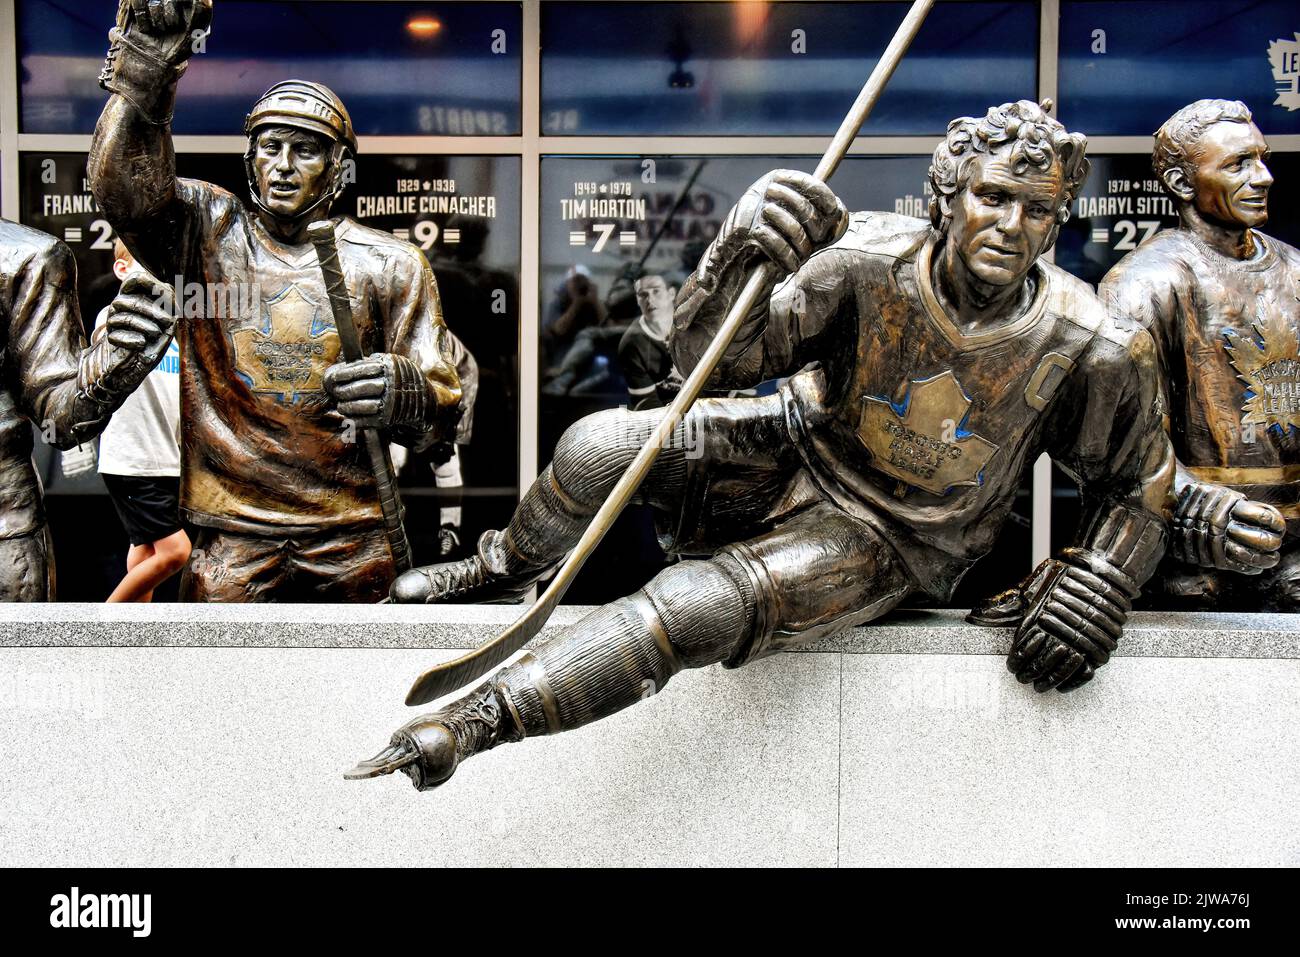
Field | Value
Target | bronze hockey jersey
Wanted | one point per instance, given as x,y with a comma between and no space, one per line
262,448
925,431
1228,336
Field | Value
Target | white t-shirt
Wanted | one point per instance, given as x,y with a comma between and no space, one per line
143,436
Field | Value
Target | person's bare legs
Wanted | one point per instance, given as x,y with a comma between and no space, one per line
137,554
134,557
148,566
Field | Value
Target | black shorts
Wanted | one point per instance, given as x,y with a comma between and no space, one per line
148,506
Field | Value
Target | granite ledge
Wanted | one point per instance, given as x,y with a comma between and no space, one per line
71,624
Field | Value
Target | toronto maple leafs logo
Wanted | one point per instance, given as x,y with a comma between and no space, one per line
287,351
923,441
1284,57
1269,364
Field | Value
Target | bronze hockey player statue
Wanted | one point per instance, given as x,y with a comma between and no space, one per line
52,382
946,356
273,471
1222,302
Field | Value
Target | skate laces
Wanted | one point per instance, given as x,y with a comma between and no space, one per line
474,722
457,578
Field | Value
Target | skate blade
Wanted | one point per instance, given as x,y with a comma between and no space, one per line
392,758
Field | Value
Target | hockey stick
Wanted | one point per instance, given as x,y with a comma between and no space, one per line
449,676
321,234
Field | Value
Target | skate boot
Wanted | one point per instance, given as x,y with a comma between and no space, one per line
1007,608
429,749
1003,610
472,579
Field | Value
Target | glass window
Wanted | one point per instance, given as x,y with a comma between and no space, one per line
604,219
463,211
775,68
1120,205
401,68
1126,67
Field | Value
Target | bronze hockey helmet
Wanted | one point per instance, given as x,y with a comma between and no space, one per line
303,105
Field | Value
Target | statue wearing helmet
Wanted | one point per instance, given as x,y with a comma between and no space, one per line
272,469
298,104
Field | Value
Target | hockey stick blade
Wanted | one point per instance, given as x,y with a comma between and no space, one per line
451,675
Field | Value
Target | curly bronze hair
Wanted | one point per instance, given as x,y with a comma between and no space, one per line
1178,136
1025,129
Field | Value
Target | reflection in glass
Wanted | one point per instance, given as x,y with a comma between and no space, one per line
775,68
1126,67
402,68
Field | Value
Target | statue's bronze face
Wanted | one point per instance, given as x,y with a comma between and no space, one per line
1002,221
1231,179
292,168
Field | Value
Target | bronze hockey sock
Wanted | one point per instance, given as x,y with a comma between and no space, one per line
589,460
692,614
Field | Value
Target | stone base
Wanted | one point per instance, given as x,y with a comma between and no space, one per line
231,748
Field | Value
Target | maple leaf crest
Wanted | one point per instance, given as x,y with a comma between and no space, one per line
287,351
1269,364
1284,57
923,441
